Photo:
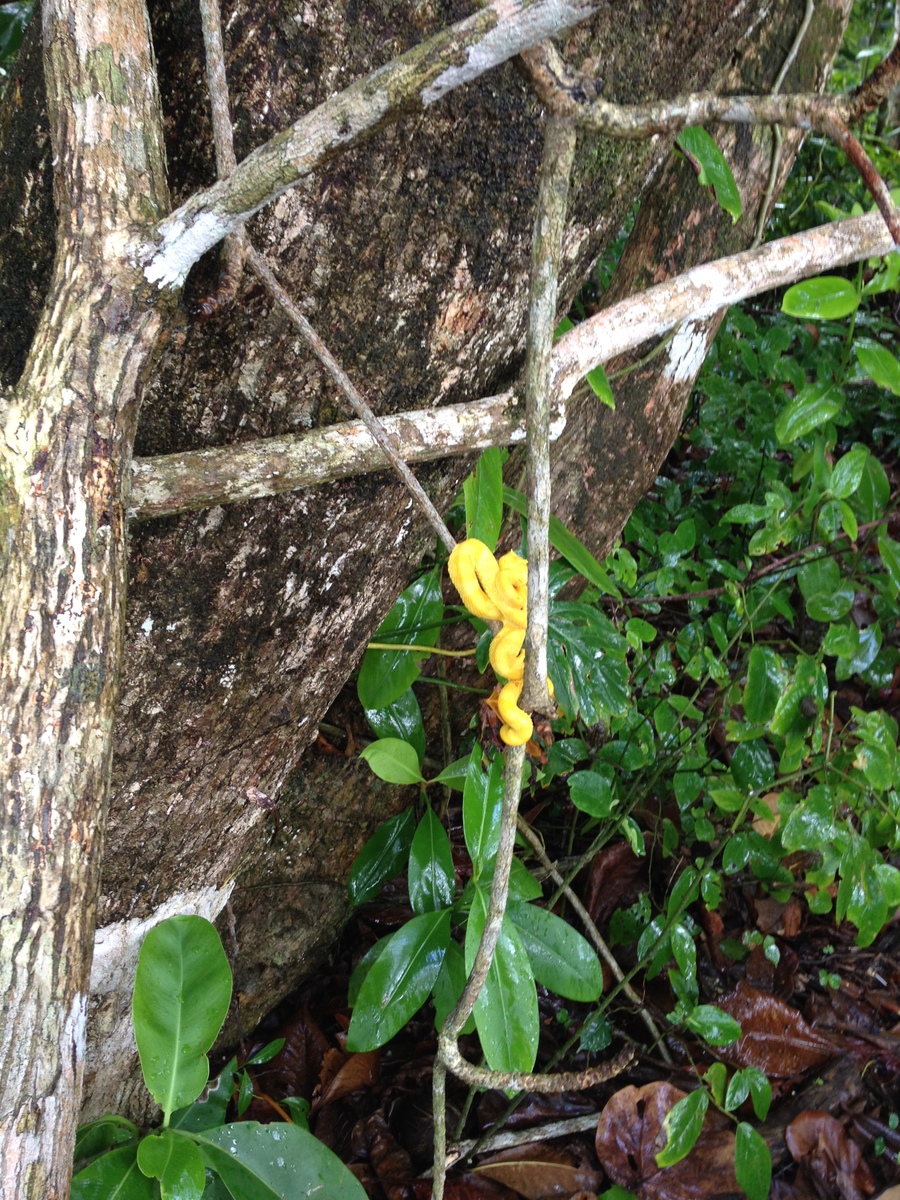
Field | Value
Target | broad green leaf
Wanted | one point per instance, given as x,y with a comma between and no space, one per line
568,545
113,1176
599,385
506,1011
382,857
809,410
811,824
714,170
362,968
586,661
95,1137
713,1025
752,766
448,987
182,991
890,557
483,493
454,775
482,804
808,679
715,1079
874,491
752,1162
860,895
592,791
402,719
399,981
683,1123
415,620
848,471
430,866
881,366
209,1111
877,755
276,1162
393,761
560,957
172,1157
825,298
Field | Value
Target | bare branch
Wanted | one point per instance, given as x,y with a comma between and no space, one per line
181,482
408,84
352,396
876,89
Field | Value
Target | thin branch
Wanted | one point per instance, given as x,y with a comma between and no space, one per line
596,937
524,1081
408,84
876,89
868,172
523,1137
202,478
354,399
546,253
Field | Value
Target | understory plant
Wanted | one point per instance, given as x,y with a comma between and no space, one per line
182,993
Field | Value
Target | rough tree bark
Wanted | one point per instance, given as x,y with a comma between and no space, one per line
410,254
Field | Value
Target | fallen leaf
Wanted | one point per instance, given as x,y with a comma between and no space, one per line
820,1143
630,1134
538,1171
774,1036
358,1072
617,877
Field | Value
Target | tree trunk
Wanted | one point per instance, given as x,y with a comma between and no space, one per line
410,256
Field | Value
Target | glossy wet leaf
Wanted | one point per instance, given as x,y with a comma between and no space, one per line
599,385
113,1176
430,866
483,494
415,619
811,826
506,1011
586,661
173,1158
399,981
881,366
809,410
454,775
848,471
713,1025
592,792
774,1036
713,167
277,1162
382,857
752,1162
683,1123
182,991
890,558
482,804
561,959
402,719
448,987
825,298
105,1133
393,760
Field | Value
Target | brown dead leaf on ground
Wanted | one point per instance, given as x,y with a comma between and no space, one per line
775,1037
540,1171
617,877
835,1163
630,1134
357,1072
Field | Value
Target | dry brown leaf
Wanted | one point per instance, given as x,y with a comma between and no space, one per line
538,1171
357,1072
820,1143
775,1037
617,877
630,1134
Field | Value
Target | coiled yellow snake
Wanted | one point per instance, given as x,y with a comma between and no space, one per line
498,591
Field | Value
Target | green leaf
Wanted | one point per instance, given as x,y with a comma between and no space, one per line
415,620
600,386
448,987
209,1111
592,791
399,981
483,492
567,544
381,858
713,1025
506,1011
95,1137
881,366
402,719
362,968
182,991
826,298
563,327
454,775
430,866
276,1162
807,680
482,803
890,558
715,1079
560,957
808,411
752,1162
172,1157
873,492
113,1176
811,825
848,472
766,677
393,761
752,766
713,168
683,1123
586,661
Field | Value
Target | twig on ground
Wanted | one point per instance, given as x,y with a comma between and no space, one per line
596,937
262,270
